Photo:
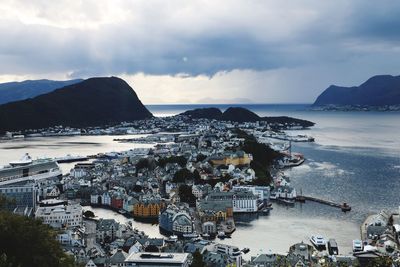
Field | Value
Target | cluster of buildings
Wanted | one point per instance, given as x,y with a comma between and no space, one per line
192,184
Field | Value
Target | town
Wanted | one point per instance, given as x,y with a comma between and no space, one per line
200,176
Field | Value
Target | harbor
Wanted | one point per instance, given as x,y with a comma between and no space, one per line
318,215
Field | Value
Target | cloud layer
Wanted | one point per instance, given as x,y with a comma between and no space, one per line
283,51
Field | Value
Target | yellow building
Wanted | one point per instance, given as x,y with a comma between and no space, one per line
148,208
232,158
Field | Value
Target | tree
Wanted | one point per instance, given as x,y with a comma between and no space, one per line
142,164
181,160
197,260
200,157
88,214
29,242
181,175
383,261
137,188
186,195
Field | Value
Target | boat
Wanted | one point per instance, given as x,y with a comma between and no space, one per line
172,239
221,235
287,201
357,245
192,235
25,160
123,212
318,241
333,247
245,250
206,236
69,158
26,169
273,196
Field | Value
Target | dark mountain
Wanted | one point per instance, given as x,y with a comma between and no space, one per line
238,114
377,91
14,91
92,102
209,113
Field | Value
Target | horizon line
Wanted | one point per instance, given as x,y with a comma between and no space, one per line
220,104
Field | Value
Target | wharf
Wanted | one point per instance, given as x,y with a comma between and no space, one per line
344,207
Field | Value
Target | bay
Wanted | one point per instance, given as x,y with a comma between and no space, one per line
355,158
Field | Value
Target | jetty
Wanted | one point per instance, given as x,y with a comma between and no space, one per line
344,207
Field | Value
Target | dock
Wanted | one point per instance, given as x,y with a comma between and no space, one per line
344,207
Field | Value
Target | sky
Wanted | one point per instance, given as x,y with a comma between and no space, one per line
271,51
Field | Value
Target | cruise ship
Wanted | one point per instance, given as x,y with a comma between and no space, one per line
26,169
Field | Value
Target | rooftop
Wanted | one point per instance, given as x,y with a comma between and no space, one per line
157,257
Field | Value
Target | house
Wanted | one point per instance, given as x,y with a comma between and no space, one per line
176,219
90,263
70,238
118,258
268,260
209,227
233,253
304,251
284,192
107,230
52,192
129,203
117,200
199,191
106,199
96,197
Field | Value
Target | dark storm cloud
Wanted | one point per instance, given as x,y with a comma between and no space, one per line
166,42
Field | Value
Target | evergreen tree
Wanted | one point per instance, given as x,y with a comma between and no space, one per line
26,242
197,260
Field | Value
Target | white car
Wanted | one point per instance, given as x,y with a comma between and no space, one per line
357,245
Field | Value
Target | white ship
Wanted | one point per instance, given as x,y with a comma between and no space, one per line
26,169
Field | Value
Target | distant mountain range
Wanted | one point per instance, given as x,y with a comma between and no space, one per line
92,102
379,90
238,114
14,91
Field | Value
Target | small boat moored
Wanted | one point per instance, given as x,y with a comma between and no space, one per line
221,235
245,250
172,239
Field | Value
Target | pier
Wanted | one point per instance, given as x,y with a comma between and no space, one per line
344,207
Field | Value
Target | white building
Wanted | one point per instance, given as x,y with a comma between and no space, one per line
284,192
157,259
231,251
199,191
244,201
61,215
261,192
106,199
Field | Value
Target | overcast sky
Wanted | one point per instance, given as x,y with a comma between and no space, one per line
203,51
